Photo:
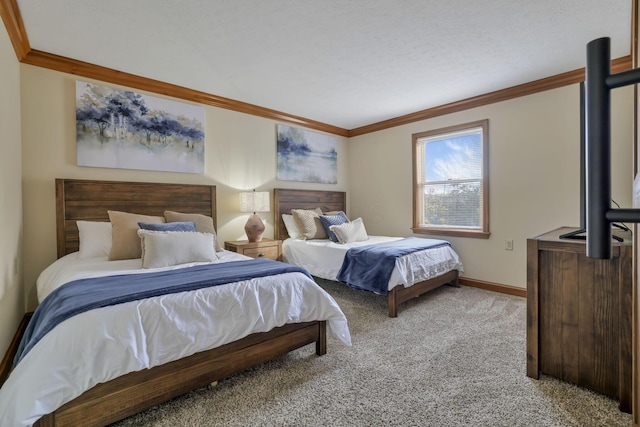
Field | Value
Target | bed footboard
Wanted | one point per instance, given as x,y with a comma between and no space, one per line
127,395
400,294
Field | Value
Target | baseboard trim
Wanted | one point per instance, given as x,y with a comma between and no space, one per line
495,287
7,361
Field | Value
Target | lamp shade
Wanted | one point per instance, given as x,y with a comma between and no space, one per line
254,201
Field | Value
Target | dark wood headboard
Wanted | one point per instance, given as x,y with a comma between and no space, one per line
90,200
285,199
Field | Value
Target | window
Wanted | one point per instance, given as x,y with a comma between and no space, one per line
451,181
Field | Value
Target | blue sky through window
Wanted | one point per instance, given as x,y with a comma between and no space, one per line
454,157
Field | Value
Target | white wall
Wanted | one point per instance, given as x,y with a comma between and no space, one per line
11,290
534,172
240,154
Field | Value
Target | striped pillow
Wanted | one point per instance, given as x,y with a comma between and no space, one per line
349,232
309,223
329,220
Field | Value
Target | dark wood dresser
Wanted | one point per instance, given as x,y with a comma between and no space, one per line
579,314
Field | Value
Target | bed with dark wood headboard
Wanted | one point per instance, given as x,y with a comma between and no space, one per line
90,200
287,199
136,391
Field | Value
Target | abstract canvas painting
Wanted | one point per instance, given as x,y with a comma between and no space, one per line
123,129
306,156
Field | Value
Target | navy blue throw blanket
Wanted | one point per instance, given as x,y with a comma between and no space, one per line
369,267
83,295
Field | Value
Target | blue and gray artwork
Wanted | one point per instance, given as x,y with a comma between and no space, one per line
306,156
123,129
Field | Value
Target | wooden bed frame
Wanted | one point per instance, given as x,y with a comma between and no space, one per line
287,199
137,391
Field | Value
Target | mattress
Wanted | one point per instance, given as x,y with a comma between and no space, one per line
323,258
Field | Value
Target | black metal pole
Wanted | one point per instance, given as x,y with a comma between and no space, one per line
623,215
583,159
624,78
598,153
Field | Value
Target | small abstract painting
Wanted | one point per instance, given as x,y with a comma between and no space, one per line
306,156
128,130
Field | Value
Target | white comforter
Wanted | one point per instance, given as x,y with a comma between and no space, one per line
323,258
105,343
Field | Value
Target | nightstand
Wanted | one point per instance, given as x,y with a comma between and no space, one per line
267,248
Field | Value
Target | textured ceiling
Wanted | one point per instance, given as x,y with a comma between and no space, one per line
347,63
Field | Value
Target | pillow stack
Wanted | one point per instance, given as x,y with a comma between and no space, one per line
308,224
176,238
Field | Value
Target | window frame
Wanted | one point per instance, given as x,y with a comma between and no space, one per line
483,233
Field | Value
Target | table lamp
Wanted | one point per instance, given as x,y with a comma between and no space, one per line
254,201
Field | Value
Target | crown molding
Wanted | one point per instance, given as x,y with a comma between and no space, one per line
92,71
553,82
15,27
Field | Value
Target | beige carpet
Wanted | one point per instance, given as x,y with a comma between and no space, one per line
453,357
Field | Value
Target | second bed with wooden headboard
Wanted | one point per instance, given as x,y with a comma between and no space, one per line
285,200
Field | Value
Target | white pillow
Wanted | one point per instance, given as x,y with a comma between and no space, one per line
165,248
95,239
349,232
291,226
204,223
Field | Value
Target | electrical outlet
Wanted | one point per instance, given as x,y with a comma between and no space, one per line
508,245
